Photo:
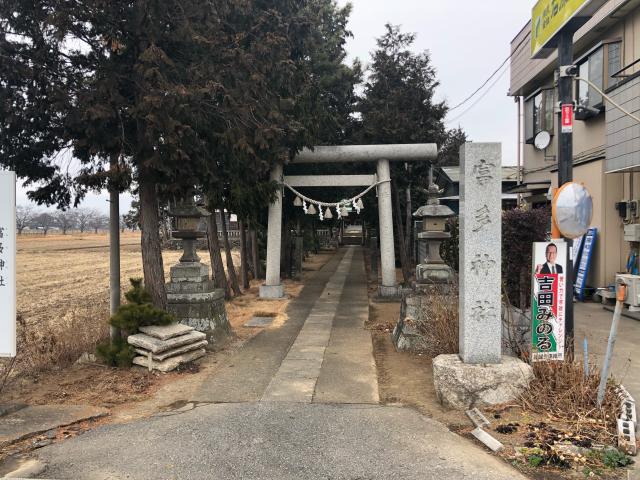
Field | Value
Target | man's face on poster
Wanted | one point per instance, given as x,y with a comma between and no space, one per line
552,253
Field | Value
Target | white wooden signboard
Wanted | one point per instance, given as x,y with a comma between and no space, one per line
7,264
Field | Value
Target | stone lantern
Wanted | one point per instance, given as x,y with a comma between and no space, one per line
191,296
187,217
433,269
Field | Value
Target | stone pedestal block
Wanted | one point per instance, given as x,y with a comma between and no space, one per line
205,312
272,291
406,336
416,318
438,274
194,301
385,291
462,386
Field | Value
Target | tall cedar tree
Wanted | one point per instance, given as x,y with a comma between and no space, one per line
398,106
309,98
174,90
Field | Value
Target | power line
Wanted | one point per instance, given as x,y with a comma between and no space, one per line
480,98
515,50
481,86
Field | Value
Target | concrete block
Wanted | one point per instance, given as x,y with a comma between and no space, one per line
462,386
478,419
165,332
627,437
493,444
259,322
173,352
272,291
170,363
155,345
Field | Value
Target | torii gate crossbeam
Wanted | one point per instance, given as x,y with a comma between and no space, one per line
382,155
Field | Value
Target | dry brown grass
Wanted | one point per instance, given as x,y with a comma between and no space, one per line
561,391
63,294
441,329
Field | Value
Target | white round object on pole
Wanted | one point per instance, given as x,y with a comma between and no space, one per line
572,210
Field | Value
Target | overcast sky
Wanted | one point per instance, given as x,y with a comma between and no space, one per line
467,39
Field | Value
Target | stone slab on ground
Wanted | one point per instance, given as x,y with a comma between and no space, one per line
155,345
172,353
462,386
491,443
170,363
10,408
165,332
272,292
37,419
259,322
22,468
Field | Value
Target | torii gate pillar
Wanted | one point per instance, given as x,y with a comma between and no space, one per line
382,154
273,287
389,285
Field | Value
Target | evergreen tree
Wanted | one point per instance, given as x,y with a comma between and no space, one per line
398,106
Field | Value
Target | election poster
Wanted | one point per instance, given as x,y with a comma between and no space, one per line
548,301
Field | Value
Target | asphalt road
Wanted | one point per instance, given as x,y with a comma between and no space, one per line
277,440
299,402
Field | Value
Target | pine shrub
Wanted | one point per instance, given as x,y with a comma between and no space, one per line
139,312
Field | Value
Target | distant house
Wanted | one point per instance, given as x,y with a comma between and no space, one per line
450,179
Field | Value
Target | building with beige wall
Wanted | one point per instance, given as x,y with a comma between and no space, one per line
606,143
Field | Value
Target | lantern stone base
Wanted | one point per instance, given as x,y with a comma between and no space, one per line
388,292
194,301
434,273
417,316
462,386
272,291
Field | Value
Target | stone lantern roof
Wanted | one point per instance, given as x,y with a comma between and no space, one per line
188,209
433,207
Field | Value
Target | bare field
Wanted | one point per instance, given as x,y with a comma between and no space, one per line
63,306
63,286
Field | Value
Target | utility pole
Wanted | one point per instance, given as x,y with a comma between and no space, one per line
114,245
565,164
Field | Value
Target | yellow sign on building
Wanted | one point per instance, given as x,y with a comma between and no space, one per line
548,17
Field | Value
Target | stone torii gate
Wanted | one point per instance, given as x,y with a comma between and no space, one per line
382,155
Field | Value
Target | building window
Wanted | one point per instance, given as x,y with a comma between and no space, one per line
597,66
614,62
538,111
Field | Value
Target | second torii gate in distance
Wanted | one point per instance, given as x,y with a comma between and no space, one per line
382,155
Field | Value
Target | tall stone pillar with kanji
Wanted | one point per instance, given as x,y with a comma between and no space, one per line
480,253
479,374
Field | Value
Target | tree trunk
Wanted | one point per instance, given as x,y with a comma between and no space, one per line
316,241
409,227
397,215
255,253
231,271
150,242
217,267
244,263
285,258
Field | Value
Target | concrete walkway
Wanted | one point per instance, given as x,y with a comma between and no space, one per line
297,402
